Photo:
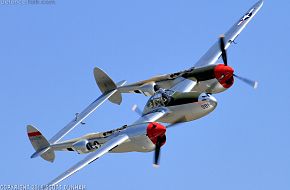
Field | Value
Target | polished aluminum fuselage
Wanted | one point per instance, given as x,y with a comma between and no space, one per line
188,112
138,138
183,107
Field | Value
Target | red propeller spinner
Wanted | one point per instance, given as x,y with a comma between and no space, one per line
156,133
155,130
225,75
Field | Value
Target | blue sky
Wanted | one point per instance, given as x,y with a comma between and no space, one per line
48,52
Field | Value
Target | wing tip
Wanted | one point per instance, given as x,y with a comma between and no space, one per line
259,4
256,84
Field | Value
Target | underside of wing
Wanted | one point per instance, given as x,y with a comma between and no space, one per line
90,158
145,87
183,84
213,54
171,81
84,114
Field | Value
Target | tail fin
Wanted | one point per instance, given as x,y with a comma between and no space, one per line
40,144
106,84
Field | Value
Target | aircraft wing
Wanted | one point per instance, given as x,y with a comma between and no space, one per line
109,145
84,114
212,55
152,116
175,81
178,83
183,85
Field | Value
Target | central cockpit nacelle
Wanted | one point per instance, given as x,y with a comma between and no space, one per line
167,98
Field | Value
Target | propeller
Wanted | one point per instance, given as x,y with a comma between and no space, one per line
137,110
223,49
249,82
160,139
157,152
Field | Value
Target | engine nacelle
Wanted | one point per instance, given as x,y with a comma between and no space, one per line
148,89
83,146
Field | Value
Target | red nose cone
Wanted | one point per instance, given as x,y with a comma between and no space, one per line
224,74
155,130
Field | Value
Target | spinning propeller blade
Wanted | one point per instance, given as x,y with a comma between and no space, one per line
157,152
161,140
223,49
250,82
136,109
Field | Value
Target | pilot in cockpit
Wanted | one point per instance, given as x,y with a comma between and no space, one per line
160,98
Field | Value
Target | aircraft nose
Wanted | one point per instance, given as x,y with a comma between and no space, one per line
207,97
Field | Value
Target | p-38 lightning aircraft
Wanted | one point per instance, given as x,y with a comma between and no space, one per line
175,98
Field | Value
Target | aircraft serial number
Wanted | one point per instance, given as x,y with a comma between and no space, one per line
205,106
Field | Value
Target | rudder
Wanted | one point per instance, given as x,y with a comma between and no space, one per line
40,144
106,84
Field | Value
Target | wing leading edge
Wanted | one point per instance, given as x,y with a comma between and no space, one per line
90,158
84,114
152,116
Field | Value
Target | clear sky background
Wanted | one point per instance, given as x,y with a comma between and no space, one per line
47,55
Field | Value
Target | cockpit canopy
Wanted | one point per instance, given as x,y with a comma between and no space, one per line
160,98
166,98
